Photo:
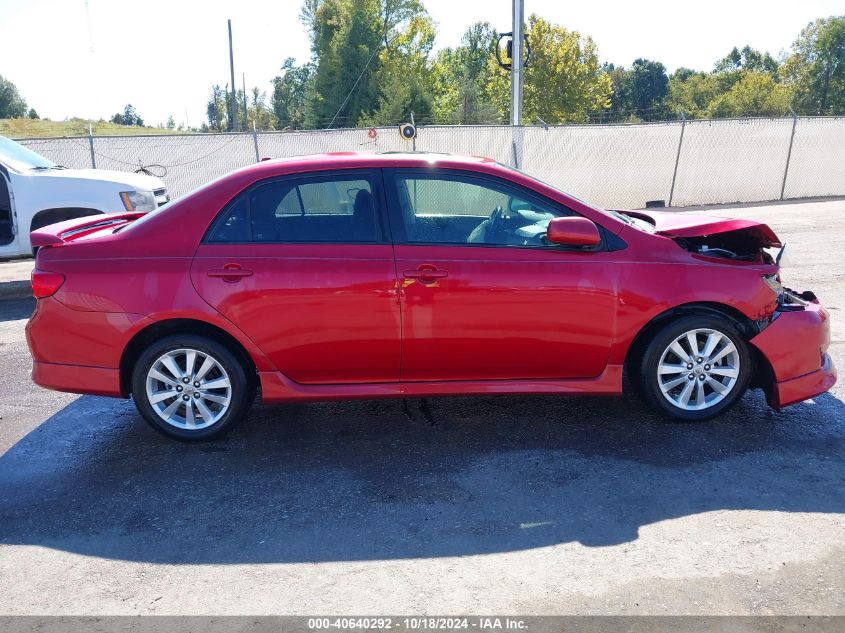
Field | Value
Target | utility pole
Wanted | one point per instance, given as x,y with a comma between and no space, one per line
516,61
245,109
234,100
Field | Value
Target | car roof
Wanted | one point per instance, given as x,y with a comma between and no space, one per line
351,160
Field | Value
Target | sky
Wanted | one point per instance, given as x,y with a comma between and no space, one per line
88,59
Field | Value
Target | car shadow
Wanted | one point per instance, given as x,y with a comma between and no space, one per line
391,479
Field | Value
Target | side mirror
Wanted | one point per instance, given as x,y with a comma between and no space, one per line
573,231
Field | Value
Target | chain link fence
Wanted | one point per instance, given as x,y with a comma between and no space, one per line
624,165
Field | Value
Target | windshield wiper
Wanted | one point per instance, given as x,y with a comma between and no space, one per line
44,167
621,216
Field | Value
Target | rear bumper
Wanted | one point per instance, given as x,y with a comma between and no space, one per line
97,381
795,346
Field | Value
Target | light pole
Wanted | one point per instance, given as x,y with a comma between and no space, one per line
233,103
516,61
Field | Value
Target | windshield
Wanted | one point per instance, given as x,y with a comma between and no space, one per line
20,158
615,214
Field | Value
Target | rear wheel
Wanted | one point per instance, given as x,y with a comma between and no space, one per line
190,387
695,368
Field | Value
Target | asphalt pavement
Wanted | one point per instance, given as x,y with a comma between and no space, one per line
542,505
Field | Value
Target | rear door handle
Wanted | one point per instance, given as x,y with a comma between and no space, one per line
230,272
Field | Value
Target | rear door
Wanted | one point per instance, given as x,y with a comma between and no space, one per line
303,266
483,296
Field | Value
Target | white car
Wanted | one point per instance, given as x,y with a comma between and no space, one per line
35,192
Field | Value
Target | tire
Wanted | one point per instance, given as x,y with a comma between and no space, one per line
720,381
184,410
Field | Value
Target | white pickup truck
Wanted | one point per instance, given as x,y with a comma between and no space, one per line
35,192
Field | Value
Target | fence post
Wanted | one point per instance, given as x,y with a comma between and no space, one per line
413,140
255,143
789,152
91,146
517,145
678,157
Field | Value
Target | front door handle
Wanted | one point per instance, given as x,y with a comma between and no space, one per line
426,274
230,272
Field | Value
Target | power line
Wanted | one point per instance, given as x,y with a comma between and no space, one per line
355,85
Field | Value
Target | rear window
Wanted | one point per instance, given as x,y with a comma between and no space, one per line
332,208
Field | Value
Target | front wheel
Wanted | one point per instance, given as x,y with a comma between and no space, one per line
695,368
190,387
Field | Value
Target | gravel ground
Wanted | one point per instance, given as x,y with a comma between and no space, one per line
467,505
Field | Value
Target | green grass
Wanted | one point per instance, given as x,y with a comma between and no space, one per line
34,128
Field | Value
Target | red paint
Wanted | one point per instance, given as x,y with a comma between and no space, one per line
573,232
96,381
693,225
335,321
795,345
324,313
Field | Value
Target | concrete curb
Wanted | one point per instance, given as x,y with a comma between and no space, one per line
10,290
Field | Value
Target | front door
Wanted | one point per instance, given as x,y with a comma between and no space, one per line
302,266
483,296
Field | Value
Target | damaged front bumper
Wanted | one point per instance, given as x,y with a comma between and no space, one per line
795,345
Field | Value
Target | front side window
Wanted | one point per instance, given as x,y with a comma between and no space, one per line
463,209
317,209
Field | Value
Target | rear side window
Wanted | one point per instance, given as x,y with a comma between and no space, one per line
331,208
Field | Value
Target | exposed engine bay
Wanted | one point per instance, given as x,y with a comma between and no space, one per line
737,245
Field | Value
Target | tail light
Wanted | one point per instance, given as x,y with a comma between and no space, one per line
45,283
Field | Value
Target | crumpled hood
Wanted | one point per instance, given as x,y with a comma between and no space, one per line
685,225
140,182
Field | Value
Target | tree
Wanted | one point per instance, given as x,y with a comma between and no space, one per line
620,98
563,82
291,93
359,46
346,36
458,77
691,92
816,67
128,117
12,105
171,123
754,94
216,109
649,87
748,59
32,114
403,77
639,94
259,113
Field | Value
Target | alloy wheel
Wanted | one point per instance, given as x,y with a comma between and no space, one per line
188,389
699,369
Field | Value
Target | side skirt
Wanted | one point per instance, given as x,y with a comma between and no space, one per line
276,387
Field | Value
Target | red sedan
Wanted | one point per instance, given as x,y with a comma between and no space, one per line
364,276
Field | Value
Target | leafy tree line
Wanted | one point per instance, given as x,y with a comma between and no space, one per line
373,63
